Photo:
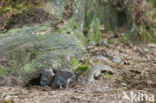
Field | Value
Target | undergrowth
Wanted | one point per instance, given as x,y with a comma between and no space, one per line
14,7
141,15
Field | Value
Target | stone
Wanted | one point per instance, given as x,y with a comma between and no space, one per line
32,48
105,42
106,68
116,60
96,71
100,57
29,53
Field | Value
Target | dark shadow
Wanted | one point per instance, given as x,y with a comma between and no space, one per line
34,81
122,18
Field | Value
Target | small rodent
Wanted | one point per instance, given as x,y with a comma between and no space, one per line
47,76
63,78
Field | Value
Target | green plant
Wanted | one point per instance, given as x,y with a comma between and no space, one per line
107,75
125,38
3,71
119,89
74,62
81,69
110,41
94,34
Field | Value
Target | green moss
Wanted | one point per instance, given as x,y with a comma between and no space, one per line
110,41
85,31
74,25
68,32
10,5
62,29
14,70
3,71
12,8
107,75
144,35
74,63
41,28
119,89
81,69
154,41
125,38
94,32
28,68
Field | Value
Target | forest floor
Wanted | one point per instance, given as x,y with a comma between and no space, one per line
135,74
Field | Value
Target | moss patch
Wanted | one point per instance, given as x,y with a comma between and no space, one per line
13,12
3,71
125,38
74,63
81,69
